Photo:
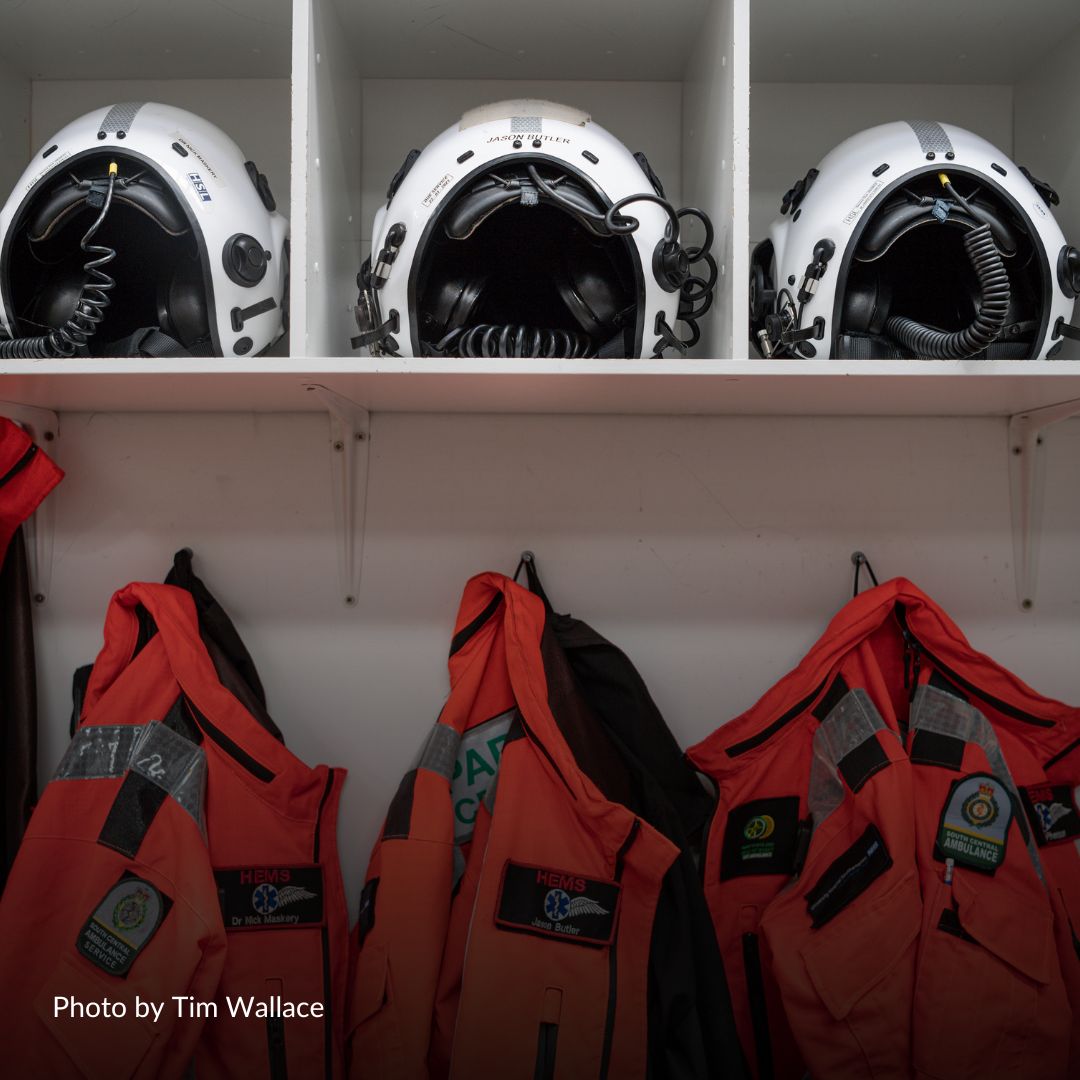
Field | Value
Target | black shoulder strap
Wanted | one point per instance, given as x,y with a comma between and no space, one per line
154,344
232,661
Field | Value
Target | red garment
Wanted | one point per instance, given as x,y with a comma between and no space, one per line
853,948
523,931
180,850
27,475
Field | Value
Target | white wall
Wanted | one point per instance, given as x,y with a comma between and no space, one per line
1047,119
713,550
14,128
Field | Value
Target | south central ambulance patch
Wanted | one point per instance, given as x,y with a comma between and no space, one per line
556,904
974,825
761,837
1052,811
122,924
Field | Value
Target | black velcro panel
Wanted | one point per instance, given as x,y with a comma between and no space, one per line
399,816
761,837
131,815
848,877
939,682
833,696
858,765
932,748
366,921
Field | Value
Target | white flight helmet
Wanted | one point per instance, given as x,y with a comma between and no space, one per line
141,230
528,230
915,239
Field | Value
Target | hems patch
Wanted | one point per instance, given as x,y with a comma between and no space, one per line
974,824
270,897
1052,811
122,925
556,904
761,837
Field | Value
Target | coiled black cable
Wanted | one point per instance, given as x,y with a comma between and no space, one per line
991,314
510,340
89,312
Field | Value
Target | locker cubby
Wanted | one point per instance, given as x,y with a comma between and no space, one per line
1000,69
230,63
386,78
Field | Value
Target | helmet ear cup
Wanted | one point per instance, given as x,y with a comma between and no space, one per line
866,307
762,286
454,302
588,286
182,310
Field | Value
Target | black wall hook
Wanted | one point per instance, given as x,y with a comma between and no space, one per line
860,560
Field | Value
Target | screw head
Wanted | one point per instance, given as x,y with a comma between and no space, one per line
1027,605
350,601
49,436
39,598
339,445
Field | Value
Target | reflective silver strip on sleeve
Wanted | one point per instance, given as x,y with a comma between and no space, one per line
121,117
440,751
940,712
173,763
98,753
852,721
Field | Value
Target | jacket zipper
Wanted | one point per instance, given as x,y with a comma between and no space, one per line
546,1045
1001,706
759,1014
234,750
613,971
275,1042
28,456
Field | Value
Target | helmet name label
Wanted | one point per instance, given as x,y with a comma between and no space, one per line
867,197
534,137
554,903
443,184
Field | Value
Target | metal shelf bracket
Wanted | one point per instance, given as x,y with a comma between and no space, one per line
1027,481
350,439
43,426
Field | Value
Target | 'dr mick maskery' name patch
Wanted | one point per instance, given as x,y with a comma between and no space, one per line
761,837
121,926
974,825
1052,811
556,904
270,897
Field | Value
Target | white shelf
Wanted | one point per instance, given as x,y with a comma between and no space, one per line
639,387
